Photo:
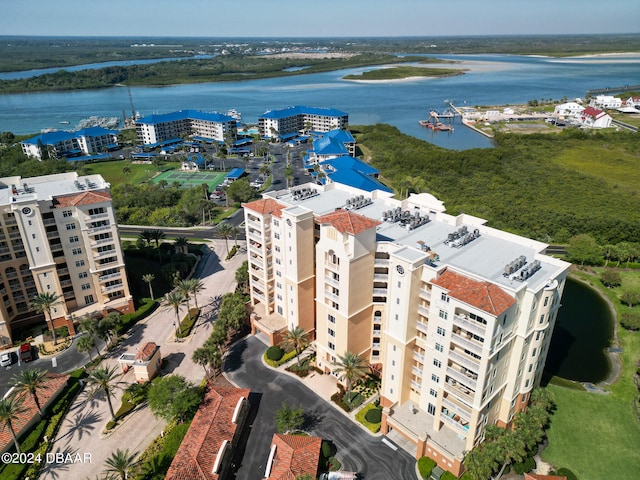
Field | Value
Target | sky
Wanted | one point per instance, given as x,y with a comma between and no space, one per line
319,18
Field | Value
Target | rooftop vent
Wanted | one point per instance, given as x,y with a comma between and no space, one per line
461,237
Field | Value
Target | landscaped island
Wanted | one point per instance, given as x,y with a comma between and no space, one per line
404,72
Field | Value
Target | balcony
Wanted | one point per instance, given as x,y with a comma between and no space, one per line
11,274
102,241
466,343
381,262
61,271
97,216
452,406
111,276
332,296
417,356
424,311
255,236
417,371
381,277
460,391
14,235
459,427
379,292
53,234
425,294
106,253
68,295
462,377
112,288
377,319
66,283
470,325
48,221
101,228
465,361
4,250
255,249
329,280
257,282
15,287
423,327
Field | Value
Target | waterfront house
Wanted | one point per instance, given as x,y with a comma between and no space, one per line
594,118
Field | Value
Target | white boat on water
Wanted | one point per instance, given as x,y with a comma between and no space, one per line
94,121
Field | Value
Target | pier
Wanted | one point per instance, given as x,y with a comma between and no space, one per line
466,122
626,88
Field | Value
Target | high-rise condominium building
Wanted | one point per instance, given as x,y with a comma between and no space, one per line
58,235
456,315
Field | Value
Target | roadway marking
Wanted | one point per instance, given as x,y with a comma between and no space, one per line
54,362
389,444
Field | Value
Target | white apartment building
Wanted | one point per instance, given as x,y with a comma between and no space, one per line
289,122
456,314
155,129
58,234
60,143
605,101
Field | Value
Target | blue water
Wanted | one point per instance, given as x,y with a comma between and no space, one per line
493,80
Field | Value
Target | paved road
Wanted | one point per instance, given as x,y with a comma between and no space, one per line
357,450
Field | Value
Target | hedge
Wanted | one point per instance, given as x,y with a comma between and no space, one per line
158,456
362,417
285,358
274,353
425,466
188,322
130,319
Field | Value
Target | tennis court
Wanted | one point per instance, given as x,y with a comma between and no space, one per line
191,179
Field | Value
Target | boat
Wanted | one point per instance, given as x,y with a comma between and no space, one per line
439,126
64,122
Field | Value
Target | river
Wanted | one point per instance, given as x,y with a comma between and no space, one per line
491,80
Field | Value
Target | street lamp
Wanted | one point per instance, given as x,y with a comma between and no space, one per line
175,327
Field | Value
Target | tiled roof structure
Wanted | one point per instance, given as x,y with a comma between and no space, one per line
265,206
294,456
483,295
84,198
348,222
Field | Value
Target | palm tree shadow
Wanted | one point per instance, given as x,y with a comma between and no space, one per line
53,469
81,424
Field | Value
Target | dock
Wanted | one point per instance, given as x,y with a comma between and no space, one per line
466,122
625,88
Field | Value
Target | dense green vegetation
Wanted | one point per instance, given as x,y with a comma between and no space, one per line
396,73
548,187
217,69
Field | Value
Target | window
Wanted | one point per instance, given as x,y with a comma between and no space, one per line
535,350
79,263
431,409
85,286
331,332
444,297
331,346
435,378
89,299
437,363
66,213
332,319
279,310
82,275
546,301
439,347
443,315
441,331
70,226
530,367
74,239
279,297
433,392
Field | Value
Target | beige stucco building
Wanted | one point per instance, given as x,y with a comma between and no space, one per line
458,315
58,234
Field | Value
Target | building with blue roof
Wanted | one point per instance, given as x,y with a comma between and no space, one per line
62,143
333,144
277,124
352,172
210,125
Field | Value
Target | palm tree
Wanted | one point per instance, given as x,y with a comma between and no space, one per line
184,287
296,339
146,236
148,278
195,287
209,356
175,299
10,410
121,464
225,231
102,380
181,244
86,344
350,368
126,169
44,302
242,276
31,380
156,236
163,183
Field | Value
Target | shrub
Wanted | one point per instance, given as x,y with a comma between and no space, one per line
232,252
275,353
362,417
353,400
328,448
130,319
425,466
374,415
611,278
186,325
565,472
630,321
630,298
525,466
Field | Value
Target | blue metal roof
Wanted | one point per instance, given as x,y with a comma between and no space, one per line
185,115
95,132
89,158
302,110
235,173
329,146
51,138
243,141
343,136
349,163
357,179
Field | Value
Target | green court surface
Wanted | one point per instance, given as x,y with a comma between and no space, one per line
191,179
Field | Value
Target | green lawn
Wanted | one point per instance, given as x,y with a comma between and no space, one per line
597,436
112,171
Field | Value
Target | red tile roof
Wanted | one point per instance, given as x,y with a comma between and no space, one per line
592,112
146,352
265,206
79,199
295,455
483,295
210,427
53,384
348,222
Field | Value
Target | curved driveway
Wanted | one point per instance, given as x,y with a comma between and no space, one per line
357,450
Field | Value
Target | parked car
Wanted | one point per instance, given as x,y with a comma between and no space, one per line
6,359
25,352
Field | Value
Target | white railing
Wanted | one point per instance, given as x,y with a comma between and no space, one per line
452,406
470,325
331,296
331,281
423,327
466,343
381,277
102,241
379,292
424,311
418,357
381,262
99,229
458,426
112,288
111,276
462,378
465,361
